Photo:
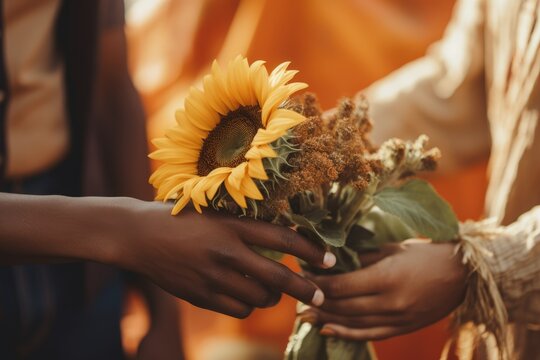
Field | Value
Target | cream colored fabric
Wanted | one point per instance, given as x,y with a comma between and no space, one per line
504,286
476,93
37,133
515,263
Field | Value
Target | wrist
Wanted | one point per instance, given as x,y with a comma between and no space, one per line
117,231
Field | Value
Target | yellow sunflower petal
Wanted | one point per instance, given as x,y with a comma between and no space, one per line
183,138
259,78
256,169
284,123
238,80
194,188
197,207
277,73
277,97
212,92
171,186
186,125
235,194
220,80
264,136
283,78
286,113
176,155
161,142
198,112
217,180
172,193
259,152
180,204
166,171
294,87
237,175
198,194
249,189
167,142
187,189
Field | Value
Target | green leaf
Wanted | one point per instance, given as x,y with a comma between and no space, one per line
360,237
316,216
325,232
347,260
305,344
387,228
419,206
340,349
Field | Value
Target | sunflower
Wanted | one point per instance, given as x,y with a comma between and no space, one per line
223,134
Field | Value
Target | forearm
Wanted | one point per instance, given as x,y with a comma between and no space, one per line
58,228
123,134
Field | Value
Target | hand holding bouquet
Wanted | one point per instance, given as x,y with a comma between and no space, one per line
244,146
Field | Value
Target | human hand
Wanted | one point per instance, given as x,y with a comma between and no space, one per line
402,287
207,260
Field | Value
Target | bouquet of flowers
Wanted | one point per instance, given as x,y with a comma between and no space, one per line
244,145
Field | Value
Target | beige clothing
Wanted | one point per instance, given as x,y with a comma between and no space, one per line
479,86
37,133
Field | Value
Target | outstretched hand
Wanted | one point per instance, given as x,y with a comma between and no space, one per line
208,259
401,288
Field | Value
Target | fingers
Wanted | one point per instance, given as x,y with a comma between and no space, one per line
374,333
365,281
316,316
285,240
229,306
244,289
279,278
356,306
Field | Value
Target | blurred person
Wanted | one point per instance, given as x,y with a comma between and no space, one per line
72,125
476,93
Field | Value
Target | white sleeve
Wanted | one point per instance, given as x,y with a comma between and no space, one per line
442,94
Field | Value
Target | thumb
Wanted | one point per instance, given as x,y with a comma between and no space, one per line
371,257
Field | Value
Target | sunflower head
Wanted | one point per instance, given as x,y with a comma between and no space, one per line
229,138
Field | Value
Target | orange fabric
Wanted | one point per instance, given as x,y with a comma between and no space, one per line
339,47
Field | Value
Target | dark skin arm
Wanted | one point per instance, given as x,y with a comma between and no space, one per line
120,115
402,288
204,259
123,140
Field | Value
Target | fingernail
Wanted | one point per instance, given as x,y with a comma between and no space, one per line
329,260
327,331
318,298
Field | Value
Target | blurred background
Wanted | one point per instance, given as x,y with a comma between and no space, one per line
340,47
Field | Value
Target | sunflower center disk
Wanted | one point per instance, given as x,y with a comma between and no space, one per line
228,143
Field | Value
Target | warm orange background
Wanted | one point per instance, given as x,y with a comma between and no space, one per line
339,47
